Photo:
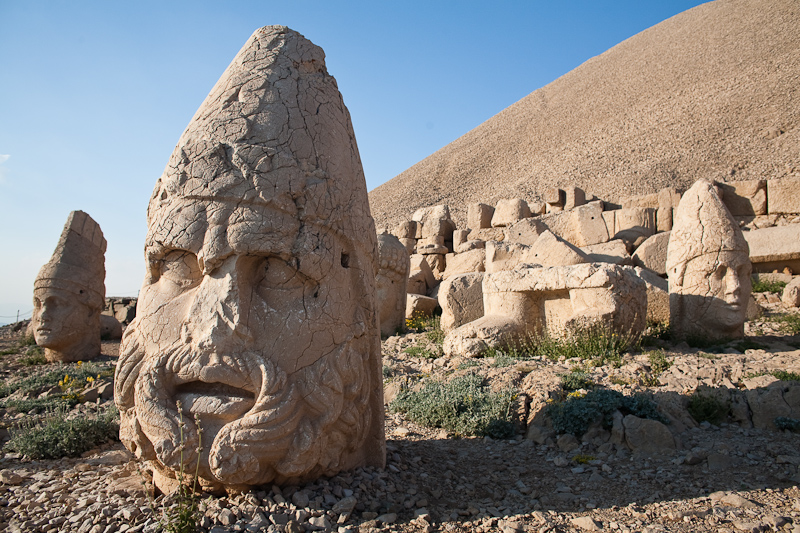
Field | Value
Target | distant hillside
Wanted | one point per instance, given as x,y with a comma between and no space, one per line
702,94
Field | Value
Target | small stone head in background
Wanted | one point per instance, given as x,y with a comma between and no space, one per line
392,282
257,314
69,293
708,265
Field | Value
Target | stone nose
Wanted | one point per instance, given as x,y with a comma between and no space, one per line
218,316
733,285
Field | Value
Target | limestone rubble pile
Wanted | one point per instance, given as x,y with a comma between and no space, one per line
710,92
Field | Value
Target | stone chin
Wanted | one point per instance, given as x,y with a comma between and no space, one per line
257,424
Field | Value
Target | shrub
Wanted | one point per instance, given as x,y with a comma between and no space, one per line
783,375
576,413
658,365
434,331
595,343
41,405
54,435
34,359
419,351
789,324
576,380
463,406
655,331
792,424
768,286
469,363
747,344
705,407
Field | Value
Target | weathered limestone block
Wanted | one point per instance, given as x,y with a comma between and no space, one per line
574,197
410,245
435,221
610,220
669,197
791,293
608,252
472,261
406,230
657,295
648,437
645,201
537,207
745,198
391,283
507,212
556,198
69,293
487,234
588,224
639,219
664,219
774,248
469,245
419,306
548,250
783,195
258,311
558,301
708,268
525,231
416,283
780,398
438,264
418,263
461,299
110,328
460,236
652,253
581,226
479,216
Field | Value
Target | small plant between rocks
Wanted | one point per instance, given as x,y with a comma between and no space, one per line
594,343
705,407
769,286
464,406
578,411
55,435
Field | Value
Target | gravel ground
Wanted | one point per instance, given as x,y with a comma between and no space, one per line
721,478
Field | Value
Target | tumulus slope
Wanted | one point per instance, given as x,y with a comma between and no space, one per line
712,92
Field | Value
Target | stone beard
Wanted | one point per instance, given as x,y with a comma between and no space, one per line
263,336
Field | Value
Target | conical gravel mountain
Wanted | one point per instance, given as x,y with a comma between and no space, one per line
713,92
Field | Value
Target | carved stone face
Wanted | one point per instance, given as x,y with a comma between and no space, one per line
266,347
60,322
716,290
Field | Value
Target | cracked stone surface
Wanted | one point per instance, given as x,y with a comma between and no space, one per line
256,336
69,293
708,266
392,281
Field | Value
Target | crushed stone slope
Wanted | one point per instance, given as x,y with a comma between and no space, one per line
693,96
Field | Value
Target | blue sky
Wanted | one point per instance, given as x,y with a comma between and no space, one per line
94,95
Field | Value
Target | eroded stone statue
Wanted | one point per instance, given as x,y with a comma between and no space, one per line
708,267
69,293
531,301
257,313
392,281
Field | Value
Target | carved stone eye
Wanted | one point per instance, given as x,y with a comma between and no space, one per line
181,268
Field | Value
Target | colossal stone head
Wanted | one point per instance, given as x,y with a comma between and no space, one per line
257,314
392,282
708,265
69,293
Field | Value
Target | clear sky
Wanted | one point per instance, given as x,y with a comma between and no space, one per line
94,95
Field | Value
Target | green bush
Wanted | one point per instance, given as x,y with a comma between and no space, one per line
768,286
658,362
463,406
654,332
576,413
420,351
576,380
789,324
707,408
54,435
595,343
783,375
433,330
792,424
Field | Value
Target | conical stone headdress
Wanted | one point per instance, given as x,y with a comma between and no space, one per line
78,262
703,225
